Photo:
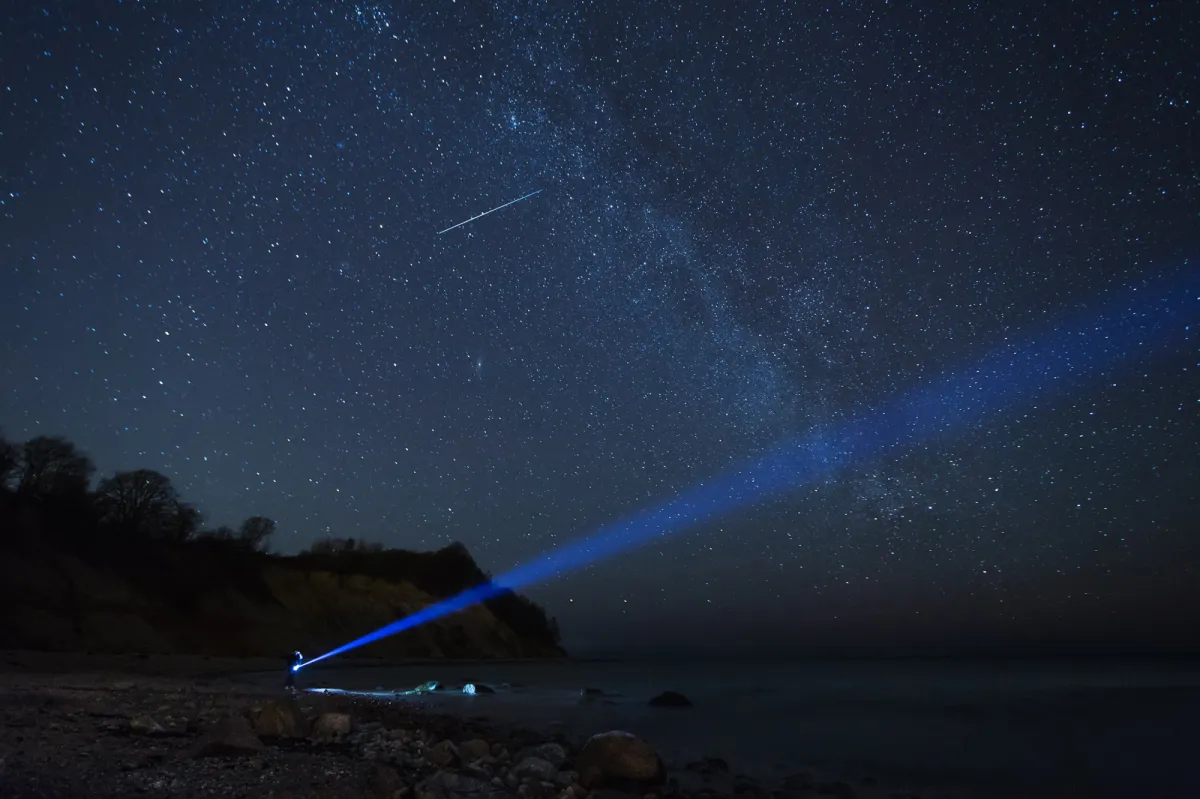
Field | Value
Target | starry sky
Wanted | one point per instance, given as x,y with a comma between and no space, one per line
220,258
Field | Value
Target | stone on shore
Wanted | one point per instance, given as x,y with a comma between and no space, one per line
386,782
670,699
551,752
442,754
230,736
474,749
331,727
281,719
618,758
448,783
143,724
536,767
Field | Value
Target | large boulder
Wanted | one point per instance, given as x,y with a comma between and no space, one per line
618,759
385,781
670,699
281,719
474,749
442,754
331,727
231,736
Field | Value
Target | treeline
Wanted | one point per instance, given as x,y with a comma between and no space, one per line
136,521
51,474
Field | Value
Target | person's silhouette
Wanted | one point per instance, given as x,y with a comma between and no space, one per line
293,665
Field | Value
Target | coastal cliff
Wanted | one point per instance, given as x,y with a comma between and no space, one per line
60,592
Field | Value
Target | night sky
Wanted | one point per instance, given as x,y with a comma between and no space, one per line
220,258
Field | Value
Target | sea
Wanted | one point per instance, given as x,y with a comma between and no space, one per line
957,727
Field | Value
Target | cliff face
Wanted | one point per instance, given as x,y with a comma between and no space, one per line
61,603
193,599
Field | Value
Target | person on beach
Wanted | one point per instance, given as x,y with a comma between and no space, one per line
293,665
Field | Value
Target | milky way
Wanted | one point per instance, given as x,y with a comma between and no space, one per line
221,260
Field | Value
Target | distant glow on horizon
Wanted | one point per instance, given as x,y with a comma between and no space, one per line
1082,346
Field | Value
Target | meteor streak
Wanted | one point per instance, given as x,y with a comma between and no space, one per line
485,213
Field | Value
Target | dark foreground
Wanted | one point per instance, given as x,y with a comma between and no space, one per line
110,734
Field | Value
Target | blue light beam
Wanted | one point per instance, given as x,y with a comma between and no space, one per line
1147,320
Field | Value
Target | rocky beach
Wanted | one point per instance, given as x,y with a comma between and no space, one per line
178,727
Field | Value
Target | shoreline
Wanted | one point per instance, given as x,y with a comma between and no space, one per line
93,726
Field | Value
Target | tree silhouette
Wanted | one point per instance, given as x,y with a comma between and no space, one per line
255,533
185,523
142,503
10,458
224,533
323,547
334,546
338,546
52,466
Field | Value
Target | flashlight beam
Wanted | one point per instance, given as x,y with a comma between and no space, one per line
494,210
1151,318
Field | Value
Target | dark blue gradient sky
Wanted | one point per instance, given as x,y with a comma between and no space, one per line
220,260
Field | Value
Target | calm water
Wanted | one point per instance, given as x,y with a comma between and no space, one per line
1046,728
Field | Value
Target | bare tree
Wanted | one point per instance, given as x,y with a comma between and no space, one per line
142,502
184,523
255,533
51,465
10,458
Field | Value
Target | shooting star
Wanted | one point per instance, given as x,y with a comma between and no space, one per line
485,213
